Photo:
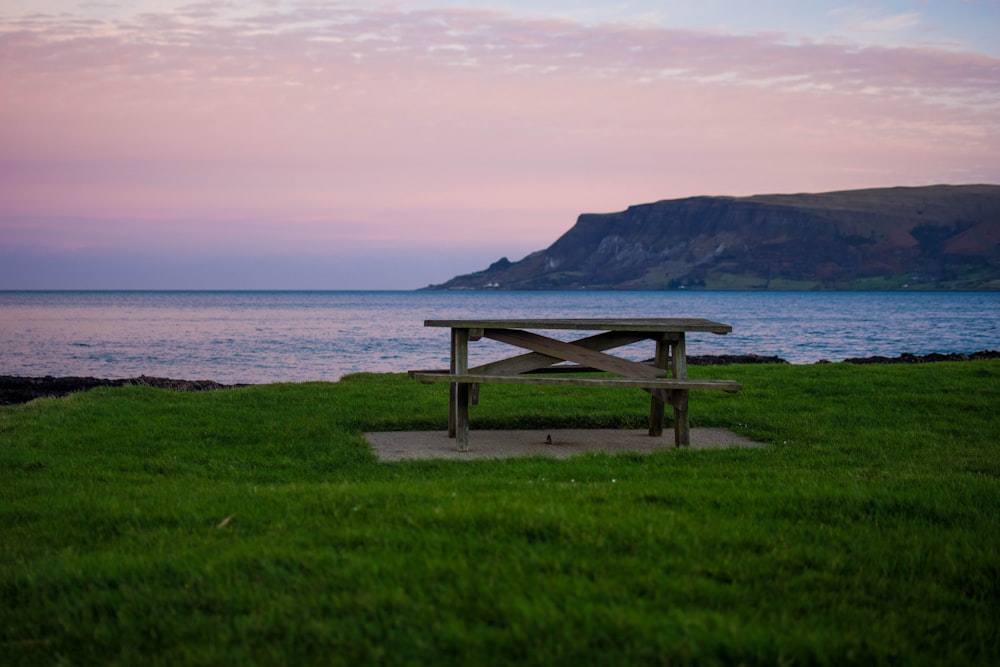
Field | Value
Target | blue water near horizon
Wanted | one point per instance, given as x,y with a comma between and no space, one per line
296,336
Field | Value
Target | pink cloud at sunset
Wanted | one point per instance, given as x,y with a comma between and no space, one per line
327,129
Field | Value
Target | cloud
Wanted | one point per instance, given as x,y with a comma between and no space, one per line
892,23
872,20
299,46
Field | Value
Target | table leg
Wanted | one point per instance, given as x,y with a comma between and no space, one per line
656,403
678,363
458,413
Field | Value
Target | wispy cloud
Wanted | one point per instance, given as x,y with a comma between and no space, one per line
892,23
322,47
872,19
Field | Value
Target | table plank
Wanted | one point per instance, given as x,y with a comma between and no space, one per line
638,324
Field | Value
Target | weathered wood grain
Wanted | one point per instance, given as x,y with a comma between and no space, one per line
429,377
637,324
569,352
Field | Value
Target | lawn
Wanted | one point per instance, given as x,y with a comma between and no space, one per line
255,526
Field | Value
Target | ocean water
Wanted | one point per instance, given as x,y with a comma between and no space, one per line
261,337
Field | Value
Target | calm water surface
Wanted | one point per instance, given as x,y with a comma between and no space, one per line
259,337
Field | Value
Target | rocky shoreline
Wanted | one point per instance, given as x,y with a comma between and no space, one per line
15,389
905,358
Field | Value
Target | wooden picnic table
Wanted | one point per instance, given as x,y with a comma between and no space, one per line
665,378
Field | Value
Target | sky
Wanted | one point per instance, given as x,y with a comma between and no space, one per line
315,144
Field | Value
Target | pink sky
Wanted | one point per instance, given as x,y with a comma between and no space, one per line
363,136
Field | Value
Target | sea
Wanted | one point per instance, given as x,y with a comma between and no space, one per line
258,337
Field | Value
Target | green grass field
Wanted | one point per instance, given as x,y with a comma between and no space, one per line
254,526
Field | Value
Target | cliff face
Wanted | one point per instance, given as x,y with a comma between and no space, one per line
938,236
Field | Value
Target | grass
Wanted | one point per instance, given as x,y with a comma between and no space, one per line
254,526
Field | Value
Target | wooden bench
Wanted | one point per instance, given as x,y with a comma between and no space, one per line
665,379
429,377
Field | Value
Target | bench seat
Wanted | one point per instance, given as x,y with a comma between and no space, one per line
429,377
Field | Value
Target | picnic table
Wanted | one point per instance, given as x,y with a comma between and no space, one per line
549,361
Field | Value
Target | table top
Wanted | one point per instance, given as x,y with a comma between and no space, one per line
637,324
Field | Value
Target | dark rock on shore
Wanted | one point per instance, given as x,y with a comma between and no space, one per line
15,389
727,359
904,358
907,358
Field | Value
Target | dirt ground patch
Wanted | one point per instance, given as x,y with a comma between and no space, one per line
557,443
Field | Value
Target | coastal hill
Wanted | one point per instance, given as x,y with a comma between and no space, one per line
934,237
